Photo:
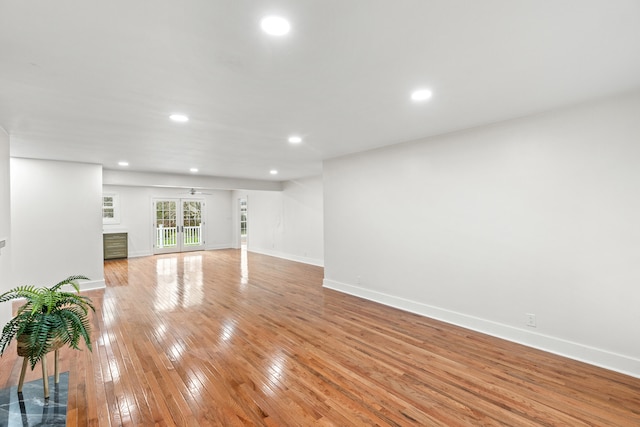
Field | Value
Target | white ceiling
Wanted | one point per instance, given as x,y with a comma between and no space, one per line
95,81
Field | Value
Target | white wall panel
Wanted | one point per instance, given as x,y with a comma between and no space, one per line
56,221
5,226
538,215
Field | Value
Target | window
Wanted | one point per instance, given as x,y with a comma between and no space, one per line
110,208
243,218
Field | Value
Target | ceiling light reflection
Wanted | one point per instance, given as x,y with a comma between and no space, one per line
105,339
228,329
275,373
176,350
160,330
115,370
194,384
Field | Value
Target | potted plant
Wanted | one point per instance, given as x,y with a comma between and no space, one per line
51,318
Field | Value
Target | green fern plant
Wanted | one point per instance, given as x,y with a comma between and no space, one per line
50,316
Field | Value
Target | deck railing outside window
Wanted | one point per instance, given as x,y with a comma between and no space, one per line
167,237
192,235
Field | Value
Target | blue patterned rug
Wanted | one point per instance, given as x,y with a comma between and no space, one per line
30,409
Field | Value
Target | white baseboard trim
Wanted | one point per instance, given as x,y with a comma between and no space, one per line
86,285
296,258
139,254
92,284
218,247
583,353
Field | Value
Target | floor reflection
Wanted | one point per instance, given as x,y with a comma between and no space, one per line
166,284
175,351
178,284
275,374
30,408
228,328
244,266
193,279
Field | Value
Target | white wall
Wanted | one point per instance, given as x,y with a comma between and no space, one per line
136,216
286,224
265,226
56,222
5,226
303,218
538,215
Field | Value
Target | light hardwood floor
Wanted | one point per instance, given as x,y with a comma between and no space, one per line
222,338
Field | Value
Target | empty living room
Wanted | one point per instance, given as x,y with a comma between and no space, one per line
343,213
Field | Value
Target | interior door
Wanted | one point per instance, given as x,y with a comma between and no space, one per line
178,225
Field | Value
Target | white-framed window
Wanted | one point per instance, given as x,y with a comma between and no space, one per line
110,208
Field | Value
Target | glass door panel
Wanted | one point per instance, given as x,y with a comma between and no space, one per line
192,237
166,226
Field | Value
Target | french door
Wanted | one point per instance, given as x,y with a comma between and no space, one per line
178,225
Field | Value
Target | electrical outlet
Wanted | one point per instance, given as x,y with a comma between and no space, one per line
358,280
531,320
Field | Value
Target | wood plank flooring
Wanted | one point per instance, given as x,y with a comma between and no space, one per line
233,339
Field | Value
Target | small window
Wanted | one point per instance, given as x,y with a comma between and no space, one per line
110,208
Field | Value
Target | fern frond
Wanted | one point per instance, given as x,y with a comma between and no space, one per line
38,339
9,331
74,300
77,325
29,292
71,280
38,300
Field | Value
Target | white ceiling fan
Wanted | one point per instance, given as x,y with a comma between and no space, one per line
194,192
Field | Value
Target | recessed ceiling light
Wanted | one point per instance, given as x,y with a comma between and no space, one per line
194,170
294,139
275,25
123,163
421,95
273,172
179,118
